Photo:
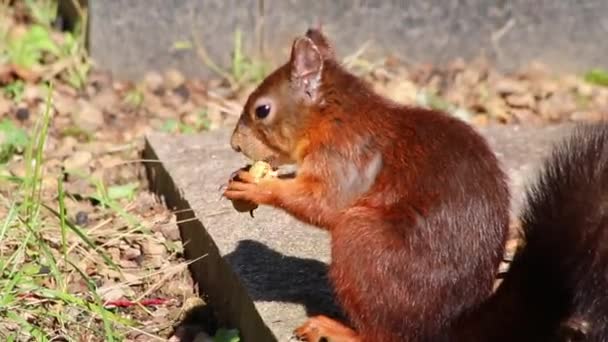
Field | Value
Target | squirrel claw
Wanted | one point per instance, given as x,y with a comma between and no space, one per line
234,175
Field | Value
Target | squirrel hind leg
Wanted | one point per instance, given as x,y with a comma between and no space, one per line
324,329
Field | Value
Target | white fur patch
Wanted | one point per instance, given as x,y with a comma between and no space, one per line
355,181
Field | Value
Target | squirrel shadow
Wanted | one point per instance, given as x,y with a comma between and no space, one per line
268,276
272,276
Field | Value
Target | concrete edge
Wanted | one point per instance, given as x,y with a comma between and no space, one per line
216,281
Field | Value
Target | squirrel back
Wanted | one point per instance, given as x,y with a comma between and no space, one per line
418,209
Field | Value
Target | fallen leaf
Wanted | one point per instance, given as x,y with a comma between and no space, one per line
153,80
508,86
525,100
174,78
79,160
111,292
87,116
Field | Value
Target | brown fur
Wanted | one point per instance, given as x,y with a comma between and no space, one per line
414,200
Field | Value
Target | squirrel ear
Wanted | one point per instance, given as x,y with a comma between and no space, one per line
306,59
322,43
306,65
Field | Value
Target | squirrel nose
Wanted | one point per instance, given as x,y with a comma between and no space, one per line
235,146
236,137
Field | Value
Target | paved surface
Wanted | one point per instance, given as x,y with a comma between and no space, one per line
272,260
131,36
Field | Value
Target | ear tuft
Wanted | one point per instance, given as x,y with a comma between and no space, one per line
321,41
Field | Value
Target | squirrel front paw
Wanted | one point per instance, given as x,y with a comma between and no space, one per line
244,187
325,329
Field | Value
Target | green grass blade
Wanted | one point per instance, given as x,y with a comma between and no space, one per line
10,217
83,236
52,262
34,160
62,219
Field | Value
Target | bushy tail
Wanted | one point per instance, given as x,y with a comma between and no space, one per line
557,286
563,267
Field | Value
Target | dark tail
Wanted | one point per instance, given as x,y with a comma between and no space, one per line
565,259
557,286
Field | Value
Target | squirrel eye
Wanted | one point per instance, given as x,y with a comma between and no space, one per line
262,111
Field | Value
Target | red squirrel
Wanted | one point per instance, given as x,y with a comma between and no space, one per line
417,207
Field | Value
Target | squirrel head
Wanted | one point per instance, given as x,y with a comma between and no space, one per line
273,122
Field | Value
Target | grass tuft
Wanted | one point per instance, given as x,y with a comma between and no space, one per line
34,291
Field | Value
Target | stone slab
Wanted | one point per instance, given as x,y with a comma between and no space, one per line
129,37
264,275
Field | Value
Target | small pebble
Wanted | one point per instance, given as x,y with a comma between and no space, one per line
182,91
159,92
44,270
82,218
22,114
139,259
131,253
